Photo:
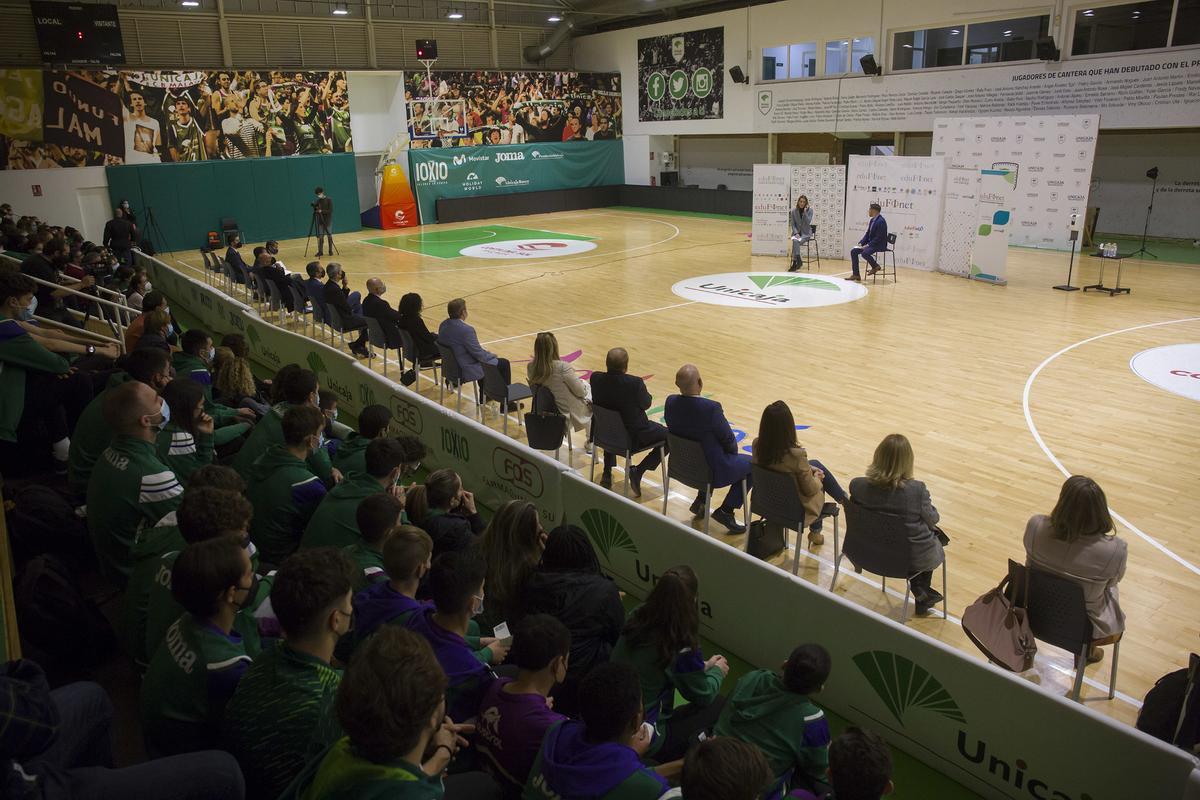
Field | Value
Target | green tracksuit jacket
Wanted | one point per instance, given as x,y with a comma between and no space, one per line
334,524
351,455
90,437
183,452
269,431
18,353
342,775
284,493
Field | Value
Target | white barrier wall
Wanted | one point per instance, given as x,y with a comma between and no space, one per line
909,189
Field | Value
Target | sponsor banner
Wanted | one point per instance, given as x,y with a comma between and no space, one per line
442,172
81,116
909,190
1127,91
1050,158
825,188
960,218
772,200
1175,367
397,206
681,76
961,716
481,107
989,253
770,290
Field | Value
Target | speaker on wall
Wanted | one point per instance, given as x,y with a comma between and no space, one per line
1046,51
869,66
738,76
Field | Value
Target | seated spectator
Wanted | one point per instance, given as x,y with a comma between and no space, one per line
153,301
517,712
327,401
407,559
234,256
130,487
150,543
46,266
185,442
314,285
282,487
233,383
196,668
456,334
410,320
267,268
376,518
702,420
775,712
661,641
296,387
280,717
58,744
600,758
860,768
721,768
569,586
157,331
139,285
333,524
777,449
373,305
1077,542
272,247
572,396
337,295
447,514
511,546
194,360
617,390
373,423
888,487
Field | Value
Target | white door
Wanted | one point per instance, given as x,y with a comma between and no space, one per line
95,209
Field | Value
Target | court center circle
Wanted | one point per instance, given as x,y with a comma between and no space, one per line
769,290
1174,367
528,248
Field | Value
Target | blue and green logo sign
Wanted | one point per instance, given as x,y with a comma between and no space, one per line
768,290
606,533
903,685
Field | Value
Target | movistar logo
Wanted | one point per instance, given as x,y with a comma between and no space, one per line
606,532
769,281
902,685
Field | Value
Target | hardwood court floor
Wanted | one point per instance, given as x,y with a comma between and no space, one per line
946,361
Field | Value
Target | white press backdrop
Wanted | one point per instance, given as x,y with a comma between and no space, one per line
910,190
772,201
825,188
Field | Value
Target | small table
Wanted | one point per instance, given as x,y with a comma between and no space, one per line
1099,286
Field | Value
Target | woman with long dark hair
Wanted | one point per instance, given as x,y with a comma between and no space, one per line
411,321
185,442
446,511
662,641
511,546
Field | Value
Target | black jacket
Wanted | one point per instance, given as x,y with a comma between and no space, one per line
452,532
623,393
234,257
335,297
118,234
324,207
375,306
424,339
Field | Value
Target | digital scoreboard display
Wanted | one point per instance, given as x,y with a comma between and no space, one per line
75,33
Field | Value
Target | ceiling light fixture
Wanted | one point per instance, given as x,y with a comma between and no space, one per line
1089,12
909,46
455,15
189,3
553,19
340,10
955,32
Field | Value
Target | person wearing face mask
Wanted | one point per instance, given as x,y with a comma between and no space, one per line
153,301
20,304
292,387
234,256
314,285
194,361
276,718
335,522
46,266
197,666
185,444
130,488
282,487
273,250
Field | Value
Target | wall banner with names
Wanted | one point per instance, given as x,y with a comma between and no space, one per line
989,253
681,76
825,188
769,229
960,218
909,190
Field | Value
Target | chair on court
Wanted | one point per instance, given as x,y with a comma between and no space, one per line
891,248
495,389
319,318
544,425
299,300
232,277
776,499
1058,616
409,353
610,435
258,295
686,463
334,318
274,298
452,373
877,542
376,337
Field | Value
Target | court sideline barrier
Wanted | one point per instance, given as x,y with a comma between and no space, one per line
993,732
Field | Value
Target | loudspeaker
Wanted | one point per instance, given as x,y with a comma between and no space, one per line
427,49
1046,51
869,67
1152,173
738,76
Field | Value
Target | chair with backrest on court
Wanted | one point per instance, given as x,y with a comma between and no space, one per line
610,435
877,542
409,353
883,260
376,338
229,227
776,498
686,463
452,373
274,298
811,245
258,294
320,318
233,277
495,389
1058,615
299,301
545,426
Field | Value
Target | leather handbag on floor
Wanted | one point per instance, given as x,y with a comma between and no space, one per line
766,540
1001,630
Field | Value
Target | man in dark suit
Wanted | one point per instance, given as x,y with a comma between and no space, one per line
314,285
875,240
337,295
233,254
119,236
323,219
626,394
375,306
691,416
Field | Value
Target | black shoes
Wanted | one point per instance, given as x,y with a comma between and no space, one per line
926,603
634,479
727,519
360,352
606,479
697,507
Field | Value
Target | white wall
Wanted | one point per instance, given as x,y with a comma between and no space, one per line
710,161
1122,190
59,203
377,110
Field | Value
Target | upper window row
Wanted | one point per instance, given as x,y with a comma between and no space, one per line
800,60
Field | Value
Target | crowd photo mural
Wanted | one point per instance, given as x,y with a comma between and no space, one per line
102,117
471,108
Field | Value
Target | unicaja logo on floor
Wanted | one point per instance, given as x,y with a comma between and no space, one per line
769,290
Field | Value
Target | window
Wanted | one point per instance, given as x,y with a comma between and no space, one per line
774,63
1132,26
789,61
842,55
933,47
1007,40
1187,23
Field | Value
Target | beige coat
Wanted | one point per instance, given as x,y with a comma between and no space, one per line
796,463
1097,563
572,396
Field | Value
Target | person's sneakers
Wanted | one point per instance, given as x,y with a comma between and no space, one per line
634,479
697,507
727,519
606,479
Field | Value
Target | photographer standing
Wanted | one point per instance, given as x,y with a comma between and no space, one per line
119,235
323,216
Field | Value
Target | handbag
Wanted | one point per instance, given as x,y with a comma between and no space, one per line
766,540
1000,629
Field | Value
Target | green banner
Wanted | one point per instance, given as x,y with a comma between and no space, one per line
509,169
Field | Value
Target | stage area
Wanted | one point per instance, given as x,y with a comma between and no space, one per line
1002,390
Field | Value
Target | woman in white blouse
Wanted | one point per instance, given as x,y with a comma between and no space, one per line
572,396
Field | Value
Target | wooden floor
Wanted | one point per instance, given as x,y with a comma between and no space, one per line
948,362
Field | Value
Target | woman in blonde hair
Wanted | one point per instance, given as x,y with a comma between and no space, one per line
889,488
572,396
233,382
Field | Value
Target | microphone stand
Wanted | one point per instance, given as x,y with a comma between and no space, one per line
1067,287
1149,210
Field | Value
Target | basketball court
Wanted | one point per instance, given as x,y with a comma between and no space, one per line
1003,391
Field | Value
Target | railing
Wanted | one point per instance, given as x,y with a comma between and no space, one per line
122,314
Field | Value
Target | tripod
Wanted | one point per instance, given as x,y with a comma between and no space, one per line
153,229
1152,174
312,226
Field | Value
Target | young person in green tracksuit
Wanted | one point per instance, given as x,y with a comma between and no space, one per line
373,422
281,715
198,665
599,758
334,524
186,442
297,388
150,543
282,488
775,712
662,641
377,517
721,768
150,366
194,361
130,488
392,705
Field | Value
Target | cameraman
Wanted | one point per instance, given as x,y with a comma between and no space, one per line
323,217
119,235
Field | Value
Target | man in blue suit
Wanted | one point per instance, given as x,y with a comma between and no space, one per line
455,333
691,416
874,241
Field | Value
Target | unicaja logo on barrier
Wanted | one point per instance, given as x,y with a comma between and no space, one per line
606,532
768,290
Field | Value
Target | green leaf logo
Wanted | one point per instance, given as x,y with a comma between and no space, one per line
316,363
767,281
253,336
607,534
902,685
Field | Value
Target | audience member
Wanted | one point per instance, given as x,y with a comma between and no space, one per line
281,714
411,321
376,518
599,758
572,396
234,385
327,401
889,488
456,334
139,285
373,422
448,513
407,559
46,266
19,304
153,301
295,387
333,523
860,767
185,442
511,546
775,712
338,297
661,641
234,256
616,390
373,305
282,487
1077,541
268,268
156,331
196,668
119,235
691,416
165,537
721,768
314,285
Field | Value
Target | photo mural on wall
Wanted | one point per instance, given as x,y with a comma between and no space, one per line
681,76
84,118
488,107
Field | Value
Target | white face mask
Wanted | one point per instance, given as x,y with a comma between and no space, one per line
333,416
212,353
29,310
478,609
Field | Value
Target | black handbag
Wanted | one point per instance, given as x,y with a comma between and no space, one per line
766,541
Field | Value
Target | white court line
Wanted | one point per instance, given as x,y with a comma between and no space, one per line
592,322
1067,473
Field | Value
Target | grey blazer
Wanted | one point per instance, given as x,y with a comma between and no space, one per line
801,223
911,502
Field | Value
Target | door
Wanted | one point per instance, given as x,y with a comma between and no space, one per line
94,210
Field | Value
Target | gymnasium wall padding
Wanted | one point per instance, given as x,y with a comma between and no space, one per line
269,198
